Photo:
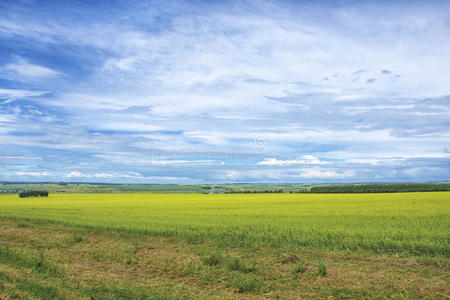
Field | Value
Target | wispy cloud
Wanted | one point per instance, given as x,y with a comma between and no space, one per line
23,69
90,96
9,95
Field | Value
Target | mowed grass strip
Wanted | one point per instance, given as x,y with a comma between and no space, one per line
404,223
59,262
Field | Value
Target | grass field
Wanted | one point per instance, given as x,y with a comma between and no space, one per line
413,223
203,246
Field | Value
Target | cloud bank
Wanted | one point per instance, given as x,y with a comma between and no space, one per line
309,91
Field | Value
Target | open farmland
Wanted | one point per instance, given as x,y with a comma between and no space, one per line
255,245
413,223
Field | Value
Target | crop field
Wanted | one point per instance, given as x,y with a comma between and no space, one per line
246,245
414,223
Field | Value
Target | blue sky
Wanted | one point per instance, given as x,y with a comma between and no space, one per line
224,91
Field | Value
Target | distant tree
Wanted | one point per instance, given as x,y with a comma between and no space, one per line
28,194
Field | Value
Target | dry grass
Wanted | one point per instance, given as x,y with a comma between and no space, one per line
93,257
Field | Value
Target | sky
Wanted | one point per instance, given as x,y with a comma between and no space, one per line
224,91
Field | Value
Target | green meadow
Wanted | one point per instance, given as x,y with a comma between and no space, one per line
255,245
410,223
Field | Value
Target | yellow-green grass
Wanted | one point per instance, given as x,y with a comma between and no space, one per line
48,261
405,223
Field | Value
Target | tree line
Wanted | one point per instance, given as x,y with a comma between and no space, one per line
28,194
357,188
382,188
253,192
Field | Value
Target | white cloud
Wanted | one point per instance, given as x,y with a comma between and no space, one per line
19,157
127,176
5,118
127,126
103,175
9,95
33,174
75,174
78,174
302,160
326,174
179,162
286,174
24,69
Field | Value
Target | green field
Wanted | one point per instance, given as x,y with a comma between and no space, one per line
411,223
309,231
